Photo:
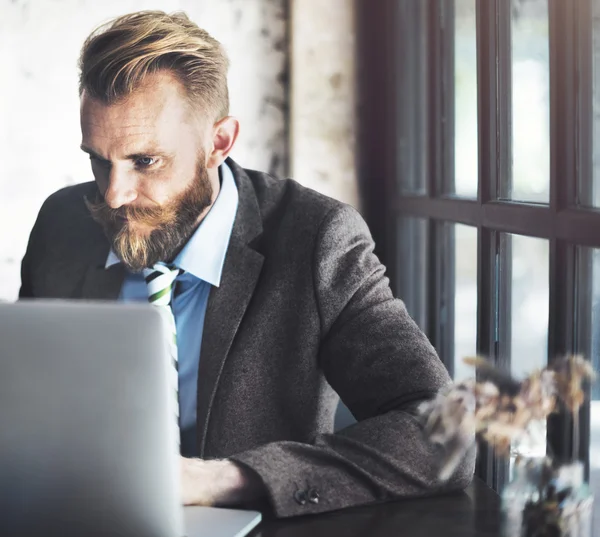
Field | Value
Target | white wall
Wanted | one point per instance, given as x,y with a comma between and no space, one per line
323,97
39,116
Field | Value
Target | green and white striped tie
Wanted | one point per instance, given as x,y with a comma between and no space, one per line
160,280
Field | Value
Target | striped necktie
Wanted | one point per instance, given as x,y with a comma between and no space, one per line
160,281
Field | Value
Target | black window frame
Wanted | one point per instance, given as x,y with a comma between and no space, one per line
404,75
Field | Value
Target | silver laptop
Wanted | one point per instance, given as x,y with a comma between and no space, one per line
88,444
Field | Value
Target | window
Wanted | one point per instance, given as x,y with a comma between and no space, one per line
529,297
465,99
463,241
588,269
502,113
529,178
592,196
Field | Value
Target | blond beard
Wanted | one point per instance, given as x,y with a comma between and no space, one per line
133,248
170,226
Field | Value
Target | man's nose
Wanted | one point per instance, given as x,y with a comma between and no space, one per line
121,189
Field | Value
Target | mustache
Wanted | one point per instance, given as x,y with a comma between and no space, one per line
149,216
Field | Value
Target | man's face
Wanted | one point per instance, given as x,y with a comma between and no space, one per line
150,168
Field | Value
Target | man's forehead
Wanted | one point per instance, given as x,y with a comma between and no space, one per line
154,116
139,109
131,134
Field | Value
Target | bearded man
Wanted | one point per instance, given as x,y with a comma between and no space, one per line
279,304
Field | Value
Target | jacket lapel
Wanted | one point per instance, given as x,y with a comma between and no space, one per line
228,302
102,284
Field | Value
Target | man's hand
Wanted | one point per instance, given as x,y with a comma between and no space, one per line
218,482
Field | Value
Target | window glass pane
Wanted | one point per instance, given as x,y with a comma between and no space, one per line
589,336
465,99
527,261
596,102
529,304
465,298
412,110
412,267
530,103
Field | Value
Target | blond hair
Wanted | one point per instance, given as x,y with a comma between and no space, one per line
117,57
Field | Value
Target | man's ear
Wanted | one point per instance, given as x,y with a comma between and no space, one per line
225,133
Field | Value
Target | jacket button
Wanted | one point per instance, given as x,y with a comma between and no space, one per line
300,497
313,496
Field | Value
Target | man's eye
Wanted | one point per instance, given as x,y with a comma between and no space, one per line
145,162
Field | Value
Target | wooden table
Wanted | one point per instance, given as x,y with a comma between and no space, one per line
472,513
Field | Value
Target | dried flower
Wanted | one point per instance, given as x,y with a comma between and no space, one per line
450,422
538,392
499,408
570,374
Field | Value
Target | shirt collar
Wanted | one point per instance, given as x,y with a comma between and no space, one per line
204,254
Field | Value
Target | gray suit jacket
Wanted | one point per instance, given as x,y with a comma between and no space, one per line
304,312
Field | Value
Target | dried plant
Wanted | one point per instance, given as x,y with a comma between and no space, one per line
570,374
499,408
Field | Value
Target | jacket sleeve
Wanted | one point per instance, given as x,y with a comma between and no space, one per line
382,366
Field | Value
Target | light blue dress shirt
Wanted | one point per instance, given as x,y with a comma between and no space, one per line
202,259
